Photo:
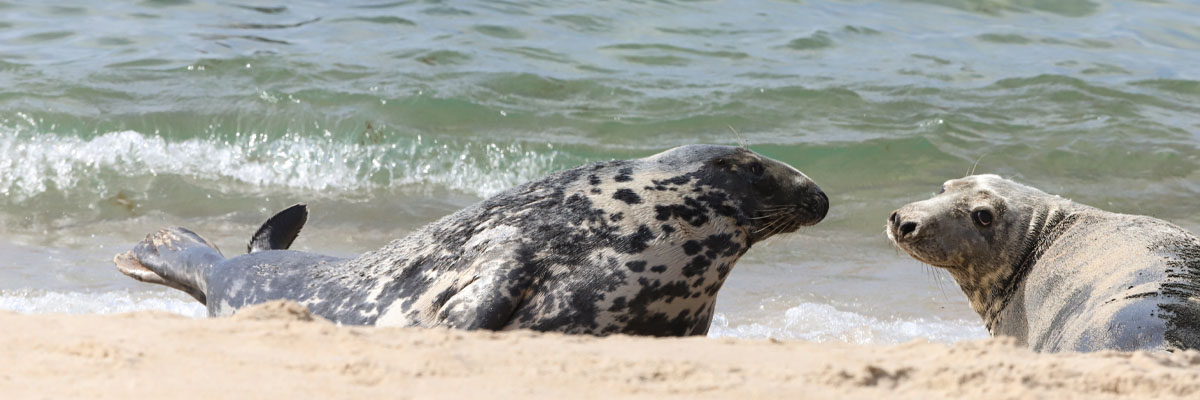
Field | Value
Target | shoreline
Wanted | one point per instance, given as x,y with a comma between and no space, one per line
278,350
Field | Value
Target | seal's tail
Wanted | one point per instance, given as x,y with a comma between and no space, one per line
174,257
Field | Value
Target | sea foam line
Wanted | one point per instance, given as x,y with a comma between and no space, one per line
29,301
30,165
823,323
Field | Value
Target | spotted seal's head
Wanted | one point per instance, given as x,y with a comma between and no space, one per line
766,196
981,228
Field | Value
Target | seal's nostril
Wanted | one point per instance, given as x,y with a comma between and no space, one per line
823,204
895,218
907,228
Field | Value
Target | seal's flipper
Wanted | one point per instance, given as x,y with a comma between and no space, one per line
280,230
129,265
174,257
490,296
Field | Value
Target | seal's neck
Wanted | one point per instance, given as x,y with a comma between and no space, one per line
991,291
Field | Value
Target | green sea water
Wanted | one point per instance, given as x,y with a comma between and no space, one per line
117,118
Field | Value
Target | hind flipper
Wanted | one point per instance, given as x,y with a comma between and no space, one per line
129,265
280,230
174,257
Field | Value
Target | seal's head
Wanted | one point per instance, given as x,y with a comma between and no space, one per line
979,219
766,196
981,228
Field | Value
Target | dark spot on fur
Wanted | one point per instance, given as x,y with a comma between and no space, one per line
616,217
624,175
667,229
597,191
721,245
691,211
636,266
659,268
698,265
593,179
718,201
635,242
654,291
678,180
618,304
628,196
692,247
723,270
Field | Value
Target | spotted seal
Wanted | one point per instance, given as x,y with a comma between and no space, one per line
1055,274
631,246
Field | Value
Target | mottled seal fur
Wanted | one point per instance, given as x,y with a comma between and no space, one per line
634,246
1055,274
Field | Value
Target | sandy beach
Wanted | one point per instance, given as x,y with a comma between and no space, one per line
121,118
278,350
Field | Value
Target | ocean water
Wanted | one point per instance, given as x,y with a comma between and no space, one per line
117,118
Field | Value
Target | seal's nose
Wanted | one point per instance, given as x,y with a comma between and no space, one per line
902,229
822,206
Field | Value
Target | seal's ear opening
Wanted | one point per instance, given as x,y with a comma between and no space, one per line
756,168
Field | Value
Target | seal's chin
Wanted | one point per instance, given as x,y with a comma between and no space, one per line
918,257
910,246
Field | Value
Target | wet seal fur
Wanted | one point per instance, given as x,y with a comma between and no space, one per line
1055,274
634,246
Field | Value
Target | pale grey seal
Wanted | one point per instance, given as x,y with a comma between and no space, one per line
1055,274
633,246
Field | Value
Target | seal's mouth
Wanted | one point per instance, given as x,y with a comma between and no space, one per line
913,246
774,220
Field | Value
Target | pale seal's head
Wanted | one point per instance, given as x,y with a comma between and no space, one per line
766,196
981,228
979,221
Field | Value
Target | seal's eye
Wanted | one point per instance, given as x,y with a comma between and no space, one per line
943,190
982,217
720,162
756,168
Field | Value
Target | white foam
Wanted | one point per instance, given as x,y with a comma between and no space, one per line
823,323
807,321
28,301
30,164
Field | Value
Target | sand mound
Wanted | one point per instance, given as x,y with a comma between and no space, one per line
281,310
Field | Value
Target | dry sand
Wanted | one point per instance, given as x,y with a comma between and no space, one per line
278,351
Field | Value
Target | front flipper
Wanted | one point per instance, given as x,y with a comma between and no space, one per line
280,230
490,299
